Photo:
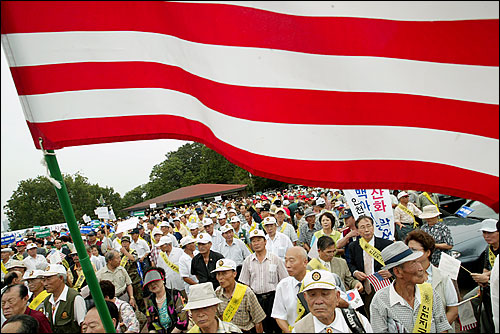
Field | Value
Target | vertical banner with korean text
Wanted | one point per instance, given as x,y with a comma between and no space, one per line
375,203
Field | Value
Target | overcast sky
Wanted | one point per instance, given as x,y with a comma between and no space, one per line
102,164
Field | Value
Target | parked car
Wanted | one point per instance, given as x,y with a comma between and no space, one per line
469,244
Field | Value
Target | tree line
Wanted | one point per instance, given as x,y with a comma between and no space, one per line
35,202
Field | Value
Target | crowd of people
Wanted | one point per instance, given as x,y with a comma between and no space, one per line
283,261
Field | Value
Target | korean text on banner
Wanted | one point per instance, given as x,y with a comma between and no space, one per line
375,203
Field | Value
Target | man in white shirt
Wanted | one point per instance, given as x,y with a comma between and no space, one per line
233,248
188,244
142,248
284,227
168,259
216,235
277,243
34,261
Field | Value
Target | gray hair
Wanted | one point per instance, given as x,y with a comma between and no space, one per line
110,255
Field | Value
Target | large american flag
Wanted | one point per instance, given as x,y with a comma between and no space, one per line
397,95
377,281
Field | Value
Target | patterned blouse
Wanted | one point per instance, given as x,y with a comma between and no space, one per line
128,315
441,234
157,317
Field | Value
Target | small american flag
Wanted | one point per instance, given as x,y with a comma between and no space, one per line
378,282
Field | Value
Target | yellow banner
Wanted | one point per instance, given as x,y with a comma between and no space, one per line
168,262
424,317
235,302
372,251
405,209
491,257
38,299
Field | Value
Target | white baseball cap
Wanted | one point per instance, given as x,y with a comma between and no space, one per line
32,274
156,230
269,221
32,245
193,226
319,279
235,219
224,265
402,194
164,224
213,215
257,233
176,218
489,225
207,221
163,241
226,228
320,201
232,211
187,240
222,216
54,269
203,238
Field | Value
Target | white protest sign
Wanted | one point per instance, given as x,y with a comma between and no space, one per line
354,299
86,218
152,205
102,212
218,198
128,224
112,214
449,265
375,203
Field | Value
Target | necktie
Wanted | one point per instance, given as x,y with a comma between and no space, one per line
368,270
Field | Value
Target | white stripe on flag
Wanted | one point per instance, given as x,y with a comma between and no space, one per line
259,67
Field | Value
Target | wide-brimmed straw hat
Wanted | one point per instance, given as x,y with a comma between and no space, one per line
398,253
429,211
201,295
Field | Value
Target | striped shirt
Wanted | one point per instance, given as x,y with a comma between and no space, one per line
263,277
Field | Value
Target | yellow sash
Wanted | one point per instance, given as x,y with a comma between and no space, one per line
430,200
405,209
4,270
316,264
283,227
124,260
491,257
79,281
38,299
19,256
253,227
424,318
169,263
194,329
65,264
372,251
152,239
119,241
235,302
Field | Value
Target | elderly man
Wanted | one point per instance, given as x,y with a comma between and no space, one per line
203,306
216,235
6,260
239,232
306,231
283,227
65,308
405,305
205,262
118,275
14,302
262,271
244,311
188,245
129,263
34,261
322,298
169,261
404,216
233,248
277,243
142,248
37,289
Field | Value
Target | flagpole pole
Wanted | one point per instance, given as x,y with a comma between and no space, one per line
69,216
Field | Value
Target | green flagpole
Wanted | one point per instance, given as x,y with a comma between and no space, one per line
69,216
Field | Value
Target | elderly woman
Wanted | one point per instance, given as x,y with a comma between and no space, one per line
438,230
421,241
203,305
163,307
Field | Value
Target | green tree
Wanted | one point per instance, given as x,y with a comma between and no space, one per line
35,202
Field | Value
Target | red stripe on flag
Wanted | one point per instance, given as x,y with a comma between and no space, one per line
473,42
363,174
277,105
